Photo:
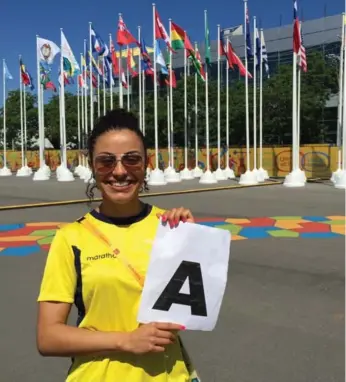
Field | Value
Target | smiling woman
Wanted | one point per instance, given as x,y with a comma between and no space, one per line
99,263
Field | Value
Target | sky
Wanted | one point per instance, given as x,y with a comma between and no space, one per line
22,20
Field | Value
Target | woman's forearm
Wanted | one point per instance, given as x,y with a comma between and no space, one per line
61,340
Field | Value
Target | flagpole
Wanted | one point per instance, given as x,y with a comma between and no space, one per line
39,104
168,130
78,119
207,105
294,112
4,115
247,96
62,111
219,173
21,112
341,92
111,84
254,96
261,107
196,173
185,173
121,94
104,87
143,107
298,117
29,171
91,81
128,82
229,173
140,82
172,164
156,176
98,88
86,97
81,157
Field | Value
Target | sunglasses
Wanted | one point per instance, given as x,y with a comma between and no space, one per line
104,164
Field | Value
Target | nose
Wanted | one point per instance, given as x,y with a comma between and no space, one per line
119,169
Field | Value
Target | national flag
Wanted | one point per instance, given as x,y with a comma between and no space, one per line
124,36
94,64
248,35
131,63
196,60
302,61
46,50
207,44
237,61
108,71
81,82
45,79
98,45
180,39
25,75
6,72
160,60
264,54
168,80
114,59
223,49
146,61
160,31
70,63
296,29
123,80
258,48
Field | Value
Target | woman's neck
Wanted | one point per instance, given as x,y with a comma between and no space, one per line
120,210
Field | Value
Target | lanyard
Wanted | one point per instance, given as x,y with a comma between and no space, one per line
96,232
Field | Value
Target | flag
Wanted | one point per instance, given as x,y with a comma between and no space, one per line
70,63
296,29
180,39
114,58
264,54
168,80
223,49
207,44
6,72
81,82
237,61
98,45
46,50
45,79
25,75
108,71
302,62
124,36
249,52
146,61
258,48
160,60
160,31
131,64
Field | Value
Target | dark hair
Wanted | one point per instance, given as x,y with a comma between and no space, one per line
117,119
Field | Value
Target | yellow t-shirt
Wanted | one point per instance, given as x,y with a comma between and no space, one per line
81,269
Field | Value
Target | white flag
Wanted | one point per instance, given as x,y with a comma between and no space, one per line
46,50
67,53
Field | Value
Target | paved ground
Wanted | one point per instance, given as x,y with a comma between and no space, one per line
282,317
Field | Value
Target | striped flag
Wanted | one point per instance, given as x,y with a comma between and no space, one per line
302,61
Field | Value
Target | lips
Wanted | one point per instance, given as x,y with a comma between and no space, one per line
120,186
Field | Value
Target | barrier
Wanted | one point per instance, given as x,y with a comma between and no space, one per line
318,161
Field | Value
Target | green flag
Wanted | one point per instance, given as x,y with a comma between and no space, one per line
207,41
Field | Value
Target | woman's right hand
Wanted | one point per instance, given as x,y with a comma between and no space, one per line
153,337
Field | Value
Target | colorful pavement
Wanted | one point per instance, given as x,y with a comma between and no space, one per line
28,238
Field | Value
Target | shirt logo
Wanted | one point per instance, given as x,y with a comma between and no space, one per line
101,257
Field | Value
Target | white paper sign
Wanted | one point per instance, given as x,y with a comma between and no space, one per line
187,276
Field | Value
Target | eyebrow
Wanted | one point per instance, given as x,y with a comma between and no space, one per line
128,152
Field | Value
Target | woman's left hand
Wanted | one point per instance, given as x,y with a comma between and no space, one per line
176,215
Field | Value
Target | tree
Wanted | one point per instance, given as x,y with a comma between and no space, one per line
13,121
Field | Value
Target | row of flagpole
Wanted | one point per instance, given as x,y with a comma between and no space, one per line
157,177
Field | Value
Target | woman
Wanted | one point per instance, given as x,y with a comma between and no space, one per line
99,263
